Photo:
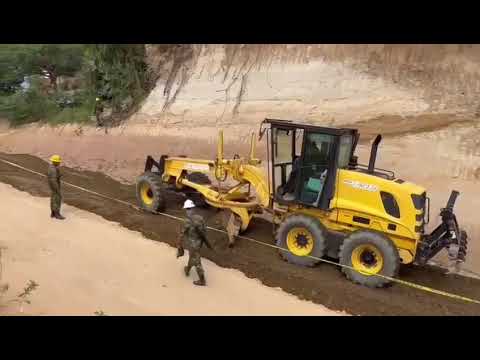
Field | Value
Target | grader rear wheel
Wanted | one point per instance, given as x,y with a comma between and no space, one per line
369,253
302,236
150,192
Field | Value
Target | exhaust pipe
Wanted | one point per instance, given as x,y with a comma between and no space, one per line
373,154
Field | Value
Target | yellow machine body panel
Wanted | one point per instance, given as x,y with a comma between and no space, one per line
361,193
358,205
257,178
175,166
240,203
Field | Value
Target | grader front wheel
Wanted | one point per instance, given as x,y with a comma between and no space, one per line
150,192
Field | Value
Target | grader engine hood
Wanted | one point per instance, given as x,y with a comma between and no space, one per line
400,209
366,200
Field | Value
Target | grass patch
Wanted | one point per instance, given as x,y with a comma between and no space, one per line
32,106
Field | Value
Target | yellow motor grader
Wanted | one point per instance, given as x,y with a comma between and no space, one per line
323,202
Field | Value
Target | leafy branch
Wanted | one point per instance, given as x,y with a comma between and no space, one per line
23,298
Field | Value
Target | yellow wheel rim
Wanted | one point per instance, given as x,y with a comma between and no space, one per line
367,259
146,194
300,241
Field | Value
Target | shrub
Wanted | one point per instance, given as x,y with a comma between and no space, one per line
26,107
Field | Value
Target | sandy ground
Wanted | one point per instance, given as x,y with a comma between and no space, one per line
87,264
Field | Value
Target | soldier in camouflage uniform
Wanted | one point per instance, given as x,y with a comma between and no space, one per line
54,176
98,111
194,234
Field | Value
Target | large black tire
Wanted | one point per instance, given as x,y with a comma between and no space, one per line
150,192
192,194
307,237
370,251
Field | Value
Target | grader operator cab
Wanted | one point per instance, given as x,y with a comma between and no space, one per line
323,202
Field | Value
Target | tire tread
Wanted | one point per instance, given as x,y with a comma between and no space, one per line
391,258
157,187
315,228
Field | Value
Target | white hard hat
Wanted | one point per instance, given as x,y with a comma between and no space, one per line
188,204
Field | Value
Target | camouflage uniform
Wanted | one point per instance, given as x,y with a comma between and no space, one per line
194,235
98,112
54,176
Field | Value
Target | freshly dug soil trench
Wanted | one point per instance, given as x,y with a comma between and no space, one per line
323,284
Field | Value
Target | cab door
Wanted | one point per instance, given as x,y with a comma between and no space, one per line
286,154
317,175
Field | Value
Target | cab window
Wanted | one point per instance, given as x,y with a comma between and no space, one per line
345,151
314,169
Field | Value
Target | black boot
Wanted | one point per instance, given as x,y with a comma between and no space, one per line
52,214
201,280
58,216
187,270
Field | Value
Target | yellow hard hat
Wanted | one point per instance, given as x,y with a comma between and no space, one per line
56,159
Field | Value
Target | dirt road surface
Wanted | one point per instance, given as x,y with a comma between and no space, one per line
87,264
323,285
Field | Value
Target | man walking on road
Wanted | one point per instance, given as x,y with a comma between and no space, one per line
54,176
194,234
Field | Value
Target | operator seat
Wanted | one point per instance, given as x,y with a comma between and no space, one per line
287,191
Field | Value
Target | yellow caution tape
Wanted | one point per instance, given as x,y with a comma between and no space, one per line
399,281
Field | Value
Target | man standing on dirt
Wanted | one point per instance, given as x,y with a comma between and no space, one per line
194,233
54,176
98,111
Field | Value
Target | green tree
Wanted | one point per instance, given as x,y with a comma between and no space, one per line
48,60
53,61
119,72
36,62
11,69
116,73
